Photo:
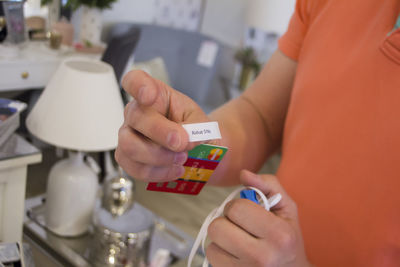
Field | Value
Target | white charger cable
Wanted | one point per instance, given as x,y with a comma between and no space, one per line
217,212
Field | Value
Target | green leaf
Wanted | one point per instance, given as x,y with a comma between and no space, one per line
100,4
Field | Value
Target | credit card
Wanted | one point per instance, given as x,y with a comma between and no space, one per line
200,165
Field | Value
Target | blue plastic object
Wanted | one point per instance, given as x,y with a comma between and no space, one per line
250,195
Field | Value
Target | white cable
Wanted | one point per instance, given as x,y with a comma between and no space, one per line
217,212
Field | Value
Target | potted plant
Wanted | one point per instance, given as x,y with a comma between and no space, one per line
100,4
249,64
75,4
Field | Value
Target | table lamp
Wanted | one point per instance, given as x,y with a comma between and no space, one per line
80,110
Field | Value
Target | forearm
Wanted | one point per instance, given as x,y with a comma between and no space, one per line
252,124
243,133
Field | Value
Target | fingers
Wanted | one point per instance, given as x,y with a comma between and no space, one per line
254,218
148,172
140,149
156,127
217,232
249,235
273,233
152,141
270,186
234,245
141,86
249,216
219,257
145,160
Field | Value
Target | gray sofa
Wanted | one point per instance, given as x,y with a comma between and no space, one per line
179,49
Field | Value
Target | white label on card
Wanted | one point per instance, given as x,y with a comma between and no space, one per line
202,131
207,54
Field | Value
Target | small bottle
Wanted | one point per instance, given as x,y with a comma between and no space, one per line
3,29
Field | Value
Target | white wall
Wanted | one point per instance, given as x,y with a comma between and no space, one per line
130,11
33,8
225,20
270,15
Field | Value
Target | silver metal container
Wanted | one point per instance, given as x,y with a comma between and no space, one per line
124,240
118,195
122,230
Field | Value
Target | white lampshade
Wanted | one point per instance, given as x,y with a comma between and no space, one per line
269,15
80,109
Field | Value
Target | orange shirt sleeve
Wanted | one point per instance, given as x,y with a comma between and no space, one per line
291,42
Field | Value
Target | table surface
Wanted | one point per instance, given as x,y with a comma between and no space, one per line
35,51
17,148
76,251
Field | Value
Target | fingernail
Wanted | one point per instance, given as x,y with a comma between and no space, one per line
180,158
142,94
173,140
178,171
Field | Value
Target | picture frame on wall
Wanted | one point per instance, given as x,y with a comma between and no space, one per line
179,14
14,16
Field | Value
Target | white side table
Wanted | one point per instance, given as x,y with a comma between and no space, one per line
15,156
33,65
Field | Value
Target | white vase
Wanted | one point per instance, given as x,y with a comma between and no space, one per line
71,195
91,24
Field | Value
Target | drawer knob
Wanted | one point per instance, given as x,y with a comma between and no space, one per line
25,75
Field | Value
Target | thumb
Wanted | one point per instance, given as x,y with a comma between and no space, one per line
148,91
141,86
269,185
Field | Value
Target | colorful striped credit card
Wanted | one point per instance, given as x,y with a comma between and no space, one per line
201,163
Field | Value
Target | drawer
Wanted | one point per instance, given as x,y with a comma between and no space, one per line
26,75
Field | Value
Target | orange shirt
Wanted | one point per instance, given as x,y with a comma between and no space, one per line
341,145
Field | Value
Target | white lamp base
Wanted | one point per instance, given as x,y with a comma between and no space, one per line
71,196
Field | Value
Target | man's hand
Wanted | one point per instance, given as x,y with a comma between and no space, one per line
152,144
248,235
